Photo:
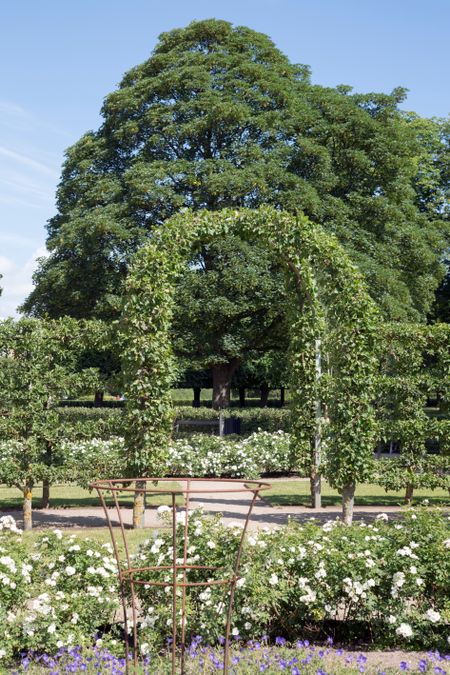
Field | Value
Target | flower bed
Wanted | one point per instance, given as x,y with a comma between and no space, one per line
385,583
255,656
201,455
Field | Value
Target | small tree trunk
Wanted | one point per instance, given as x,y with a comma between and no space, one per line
197,394
282,396
348,501
264,395
98,398
316,491
222,375
45,501
27,508
409,494
139,506
316,483
242,401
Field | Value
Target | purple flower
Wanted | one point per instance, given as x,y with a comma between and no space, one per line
423,665
280,641
404,665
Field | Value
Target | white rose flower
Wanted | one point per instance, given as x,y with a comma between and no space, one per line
273,580
382,516
70,571
432,615
52,628
404,630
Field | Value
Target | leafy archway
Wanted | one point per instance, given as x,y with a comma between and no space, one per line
330,309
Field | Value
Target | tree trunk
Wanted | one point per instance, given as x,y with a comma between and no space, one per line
222,374
27,508
409,494
348,501
264,394
316,483
316,489
45,501
242,402
139,506
98,398
197,394
282,396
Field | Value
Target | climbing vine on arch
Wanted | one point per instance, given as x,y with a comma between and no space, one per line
329,304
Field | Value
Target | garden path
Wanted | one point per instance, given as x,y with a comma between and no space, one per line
233,507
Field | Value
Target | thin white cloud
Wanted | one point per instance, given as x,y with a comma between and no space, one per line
28,161
11,108
28,187
17,281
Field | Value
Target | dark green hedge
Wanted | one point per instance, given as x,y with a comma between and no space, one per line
252,419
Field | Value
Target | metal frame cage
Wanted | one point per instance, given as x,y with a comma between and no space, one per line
128,573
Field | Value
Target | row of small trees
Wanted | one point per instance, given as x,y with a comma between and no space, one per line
40,365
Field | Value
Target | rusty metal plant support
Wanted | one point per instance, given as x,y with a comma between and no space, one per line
127,575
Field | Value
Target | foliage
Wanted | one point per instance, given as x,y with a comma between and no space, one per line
320,280
414,367
104,422
91,422
218,117
251,457
228,309
38,367
427,471
56,593
388,579
84,461
252,419
379,576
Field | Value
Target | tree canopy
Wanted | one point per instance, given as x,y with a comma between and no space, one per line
218,117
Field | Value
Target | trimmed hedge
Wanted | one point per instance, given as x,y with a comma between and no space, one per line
252,419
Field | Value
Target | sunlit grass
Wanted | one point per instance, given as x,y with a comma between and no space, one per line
296,493
72,496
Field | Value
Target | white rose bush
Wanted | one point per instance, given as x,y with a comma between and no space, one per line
386,582
54,594
200,455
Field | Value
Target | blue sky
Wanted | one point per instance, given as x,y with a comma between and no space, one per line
59,58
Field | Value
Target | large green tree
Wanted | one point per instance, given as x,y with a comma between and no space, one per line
219,117
229,307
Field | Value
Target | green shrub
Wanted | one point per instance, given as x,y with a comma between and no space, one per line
54,594
388,579
90,422
201,455
423,471
252,419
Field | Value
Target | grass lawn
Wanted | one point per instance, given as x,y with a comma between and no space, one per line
67,496
100,535
296,493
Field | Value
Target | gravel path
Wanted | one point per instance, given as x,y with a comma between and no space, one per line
232,505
